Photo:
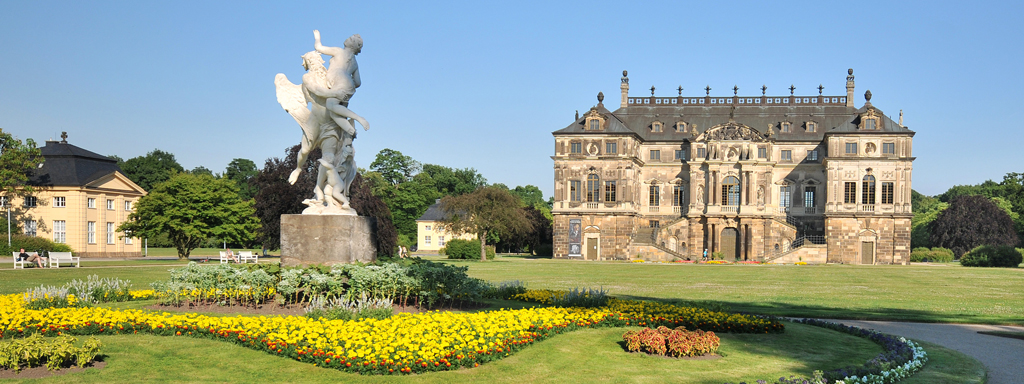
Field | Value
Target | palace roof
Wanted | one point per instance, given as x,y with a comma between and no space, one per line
69,165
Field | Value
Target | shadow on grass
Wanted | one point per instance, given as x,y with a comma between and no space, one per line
815,311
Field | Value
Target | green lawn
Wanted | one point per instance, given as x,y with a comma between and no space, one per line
905,293
920,293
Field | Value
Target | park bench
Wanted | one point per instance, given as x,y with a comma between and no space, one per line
20,262
56,258
245,256
224,258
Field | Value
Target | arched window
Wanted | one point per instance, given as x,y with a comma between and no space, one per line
593,188
867,191
731,191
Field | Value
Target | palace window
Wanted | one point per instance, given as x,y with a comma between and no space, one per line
680,154
30,201
871,124
654,223
654,199
678,193
91,203
888,148
574,190
593,188
91,227
731,190
594,124
656,127
110,205
110,233
30,227
611,148
59,202
868,190
812,155
850,192
809,193
851,148
887,192
609,191
785,126
59,231
655,155
681,126
787,155
785,196
576,147
762,153
702,153
812,126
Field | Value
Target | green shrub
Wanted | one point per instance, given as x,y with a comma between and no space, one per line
545,249
992,256
506,289
442,251
33,244
937,254
582,297
460,249
35,351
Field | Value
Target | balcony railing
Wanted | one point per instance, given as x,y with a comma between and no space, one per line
592,205
867,208
730,208
783,209
810,210
653,209
677,209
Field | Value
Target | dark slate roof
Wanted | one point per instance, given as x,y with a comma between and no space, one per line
887,125
433,213
637,119
68,165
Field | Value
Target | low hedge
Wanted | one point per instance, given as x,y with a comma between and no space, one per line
992,256
935,255
33,244
460,249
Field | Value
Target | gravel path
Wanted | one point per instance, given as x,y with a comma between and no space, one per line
1004,357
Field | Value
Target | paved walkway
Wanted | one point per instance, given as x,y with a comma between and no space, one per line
1004,357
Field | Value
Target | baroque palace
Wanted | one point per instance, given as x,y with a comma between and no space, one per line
766,178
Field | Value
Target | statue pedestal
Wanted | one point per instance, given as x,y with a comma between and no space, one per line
327,239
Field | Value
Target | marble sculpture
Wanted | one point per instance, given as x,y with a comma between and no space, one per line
320,105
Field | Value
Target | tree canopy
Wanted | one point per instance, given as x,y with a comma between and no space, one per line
191,208
486,210
972,221
394,167
151,169
275,197
17,160
242,172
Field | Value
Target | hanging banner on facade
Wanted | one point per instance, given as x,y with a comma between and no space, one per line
575,237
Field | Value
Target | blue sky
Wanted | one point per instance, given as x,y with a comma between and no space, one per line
483,84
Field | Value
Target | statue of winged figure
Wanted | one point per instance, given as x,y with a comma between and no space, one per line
320,105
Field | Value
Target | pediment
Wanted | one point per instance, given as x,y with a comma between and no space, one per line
116,182
731,131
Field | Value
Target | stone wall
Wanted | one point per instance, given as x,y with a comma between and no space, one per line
613,231
810,254
888,236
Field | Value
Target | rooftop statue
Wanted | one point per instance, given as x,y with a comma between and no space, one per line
320,105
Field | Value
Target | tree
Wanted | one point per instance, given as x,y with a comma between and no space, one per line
485,210
275,196
366,204
971,221
925,209
190,209
149,170
394,166
530,195
454,182
17,161
242,172
201,170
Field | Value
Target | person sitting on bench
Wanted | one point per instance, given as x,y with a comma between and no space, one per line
34,258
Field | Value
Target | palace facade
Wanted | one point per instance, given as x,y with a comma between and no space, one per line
767,178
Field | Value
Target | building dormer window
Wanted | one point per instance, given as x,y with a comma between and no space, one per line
812,126
594,124
681,127
870,124
786,127
656,126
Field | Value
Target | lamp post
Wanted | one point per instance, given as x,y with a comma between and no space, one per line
8,224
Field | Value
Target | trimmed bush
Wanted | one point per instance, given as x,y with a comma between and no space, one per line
935,255
34,244
460,249
992,256
545,249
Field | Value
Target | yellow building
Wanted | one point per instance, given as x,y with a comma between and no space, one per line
81,198
430,235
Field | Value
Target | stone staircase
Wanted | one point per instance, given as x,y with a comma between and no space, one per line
644,245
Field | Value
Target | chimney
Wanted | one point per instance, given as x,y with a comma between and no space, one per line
625,89
849,88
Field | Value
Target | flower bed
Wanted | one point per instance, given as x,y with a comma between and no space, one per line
672,342
35,351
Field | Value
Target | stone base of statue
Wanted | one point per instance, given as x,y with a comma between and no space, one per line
327,239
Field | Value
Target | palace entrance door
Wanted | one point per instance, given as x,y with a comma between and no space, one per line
730,238
867,252
591,248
